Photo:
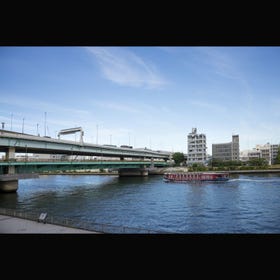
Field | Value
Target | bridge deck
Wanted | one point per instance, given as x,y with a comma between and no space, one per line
24,143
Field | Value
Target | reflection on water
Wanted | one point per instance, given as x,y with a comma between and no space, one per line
244,204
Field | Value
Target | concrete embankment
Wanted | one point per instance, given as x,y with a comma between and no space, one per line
254,171
160,171
10,224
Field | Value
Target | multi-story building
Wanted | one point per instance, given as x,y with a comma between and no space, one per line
274,152
226,151
268,152
265,152
246,155
254,154
196,148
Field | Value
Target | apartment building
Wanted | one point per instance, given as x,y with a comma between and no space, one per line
268,152
226,151
196,147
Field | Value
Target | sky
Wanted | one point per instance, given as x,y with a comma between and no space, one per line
143,96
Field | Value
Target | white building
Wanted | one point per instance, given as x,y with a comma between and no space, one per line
274,152
196,148
268,152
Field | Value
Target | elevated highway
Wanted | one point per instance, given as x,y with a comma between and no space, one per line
13,142
25,143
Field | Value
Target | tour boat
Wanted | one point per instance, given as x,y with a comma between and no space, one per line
196,176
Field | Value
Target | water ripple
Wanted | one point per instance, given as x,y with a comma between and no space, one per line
245,204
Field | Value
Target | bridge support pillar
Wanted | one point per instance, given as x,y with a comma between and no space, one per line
9,182
132,172
8,185
10,155
152,163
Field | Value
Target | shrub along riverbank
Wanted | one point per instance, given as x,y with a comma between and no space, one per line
193,168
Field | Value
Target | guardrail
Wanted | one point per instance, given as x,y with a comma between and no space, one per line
80,224
77,160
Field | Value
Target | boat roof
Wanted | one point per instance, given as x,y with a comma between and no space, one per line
199,172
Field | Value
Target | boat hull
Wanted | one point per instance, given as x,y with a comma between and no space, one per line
195,177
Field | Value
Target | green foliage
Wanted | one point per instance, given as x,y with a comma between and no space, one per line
258,162
225,163
197,167
178,158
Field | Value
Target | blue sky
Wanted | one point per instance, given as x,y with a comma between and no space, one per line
143,96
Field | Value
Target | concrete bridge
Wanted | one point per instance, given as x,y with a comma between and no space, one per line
12,142
23,167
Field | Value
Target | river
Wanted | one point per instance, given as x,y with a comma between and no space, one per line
244,204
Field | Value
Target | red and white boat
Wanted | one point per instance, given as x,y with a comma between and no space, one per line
195,176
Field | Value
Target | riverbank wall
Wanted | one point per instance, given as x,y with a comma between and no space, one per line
162,170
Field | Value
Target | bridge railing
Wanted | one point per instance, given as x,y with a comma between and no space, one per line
79,224
77,160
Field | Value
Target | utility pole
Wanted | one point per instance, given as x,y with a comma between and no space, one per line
22,125
11,122
45,122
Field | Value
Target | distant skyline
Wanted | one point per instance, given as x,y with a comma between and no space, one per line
143,96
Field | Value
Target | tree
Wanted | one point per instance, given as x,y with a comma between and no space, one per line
198,167
257,162
178,158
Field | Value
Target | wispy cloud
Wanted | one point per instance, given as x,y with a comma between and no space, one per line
220,63
126,68
118,107
209,106
30,103
225,65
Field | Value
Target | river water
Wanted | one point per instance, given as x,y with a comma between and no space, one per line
244,204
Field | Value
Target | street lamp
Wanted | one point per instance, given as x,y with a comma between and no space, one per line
45,123
11,122
22,125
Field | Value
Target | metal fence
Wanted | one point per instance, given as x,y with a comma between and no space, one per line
79,224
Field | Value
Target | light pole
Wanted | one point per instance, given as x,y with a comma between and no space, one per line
110,139
37,129
22,125
45,122
11,122
96,134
